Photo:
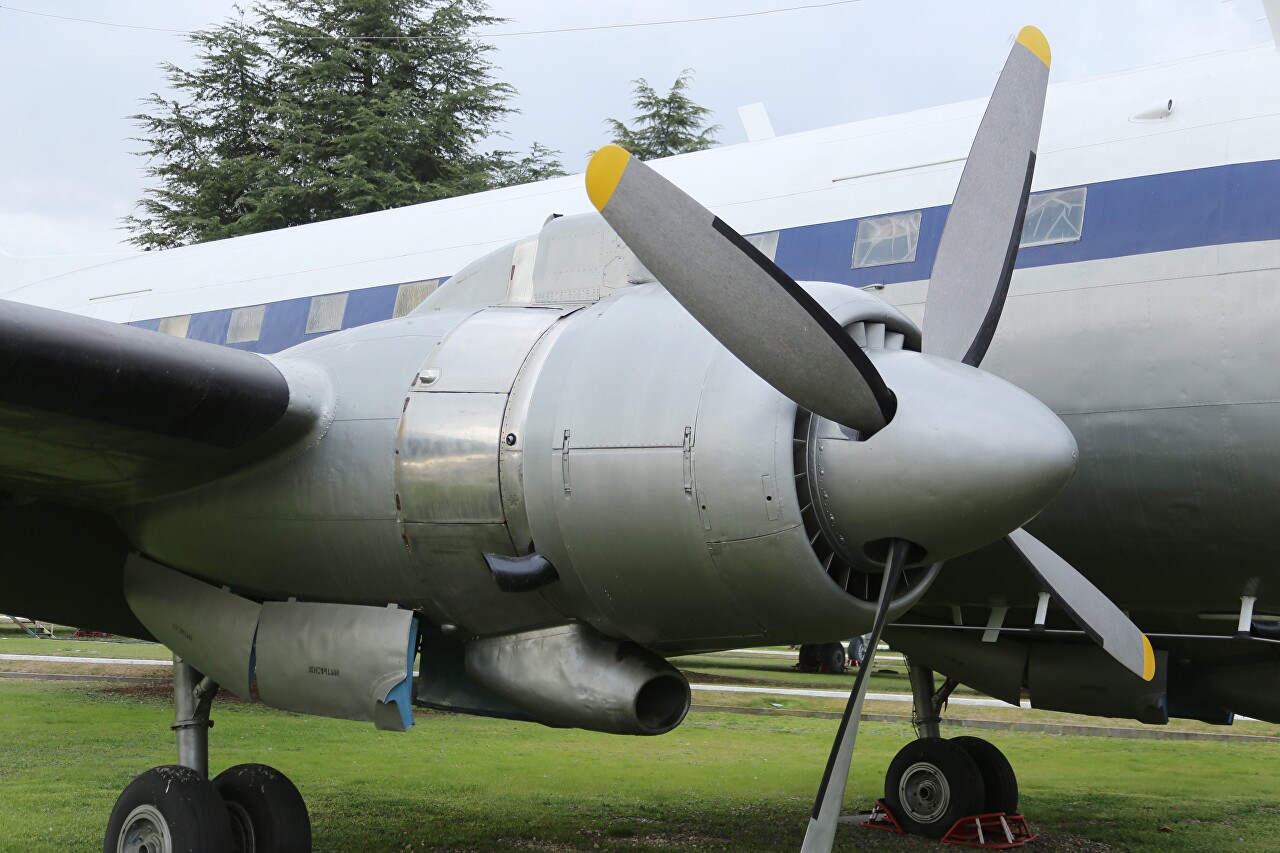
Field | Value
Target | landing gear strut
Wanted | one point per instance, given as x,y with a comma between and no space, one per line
249,808
933,782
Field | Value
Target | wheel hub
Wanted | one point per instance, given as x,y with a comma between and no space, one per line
243,839
145,831
924,792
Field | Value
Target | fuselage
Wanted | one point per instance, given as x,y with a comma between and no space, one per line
1145,324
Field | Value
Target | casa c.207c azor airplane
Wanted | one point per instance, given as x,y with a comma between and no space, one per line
635,435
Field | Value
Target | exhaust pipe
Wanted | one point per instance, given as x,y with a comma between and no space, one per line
573,676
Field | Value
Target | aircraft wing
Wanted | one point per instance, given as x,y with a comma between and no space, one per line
95,416
98,415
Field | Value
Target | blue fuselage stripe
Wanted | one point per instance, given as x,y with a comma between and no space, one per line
1133,216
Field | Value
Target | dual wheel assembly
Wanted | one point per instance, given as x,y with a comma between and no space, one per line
934,782
249,808
824,657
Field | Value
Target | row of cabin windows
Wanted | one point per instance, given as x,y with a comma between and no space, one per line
1052,217
325,314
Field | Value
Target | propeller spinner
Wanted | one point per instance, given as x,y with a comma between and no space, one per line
956,458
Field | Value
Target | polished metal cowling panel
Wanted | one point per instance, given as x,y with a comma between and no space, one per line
483,353
511,449
447,458
449,478
609,497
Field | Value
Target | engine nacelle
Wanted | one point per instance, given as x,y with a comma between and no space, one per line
668,490
664,486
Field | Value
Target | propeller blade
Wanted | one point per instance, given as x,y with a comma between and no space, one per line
741,297
980,242
821,834
1087,606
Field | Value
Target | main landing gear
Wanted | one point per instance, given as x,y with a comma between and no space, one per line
249,808
823,657
933,782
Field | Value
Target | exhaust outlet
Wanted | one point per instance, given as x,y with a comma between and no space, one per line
573,676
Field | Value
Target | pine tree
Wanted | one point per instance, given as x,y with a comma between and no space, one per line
309,110
664,126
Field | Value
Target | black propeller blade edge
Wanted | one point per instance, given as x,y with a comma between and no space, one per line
985,332
884,396
826,806
751,306
979,246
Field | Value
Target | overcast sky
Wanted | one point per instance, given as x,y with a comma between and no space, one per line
67,175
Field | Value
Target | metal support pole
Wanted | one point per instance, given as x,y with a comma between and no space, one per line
193,694
1244,627
1042,612
924,715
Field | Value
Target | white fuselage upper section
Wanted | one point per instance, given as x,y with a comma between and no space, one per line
1226,109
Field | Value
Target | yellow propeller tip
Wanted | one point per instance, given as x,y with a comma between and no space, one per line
1148,660
603,173
1033,40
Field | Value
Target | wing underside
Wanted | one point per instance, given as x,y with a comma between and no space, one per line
100,415
95,416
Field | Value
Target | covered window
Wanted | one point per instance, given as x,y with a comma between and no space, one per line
326,313
767,243
246,324
410,296
1054,217
176,326
886,240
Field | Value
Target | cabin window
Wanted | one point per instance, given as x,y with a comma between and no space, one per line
886,240
326,313
767,243
246,324
176,326
413,294
1054,217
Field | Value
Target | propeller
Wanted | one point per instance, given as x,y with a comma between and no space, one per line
979,245
821,833
1105,623
772,325
744,299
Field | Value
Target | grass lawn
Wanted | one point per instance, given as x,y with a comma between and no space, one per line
15,645
777,671
719,782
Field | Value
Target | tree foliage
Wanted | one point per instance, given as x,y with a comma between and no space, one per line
305,110
664,126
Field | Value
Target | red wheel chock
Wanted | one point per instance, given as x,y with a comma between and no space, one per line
996,831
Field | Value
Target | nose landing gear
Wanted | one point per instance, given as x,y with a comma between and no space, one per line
249,808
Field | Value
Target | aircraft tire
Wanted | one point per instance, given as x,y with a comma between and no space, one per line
999,782
857,650
833,658
808,660
267,813
931,784
171,809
